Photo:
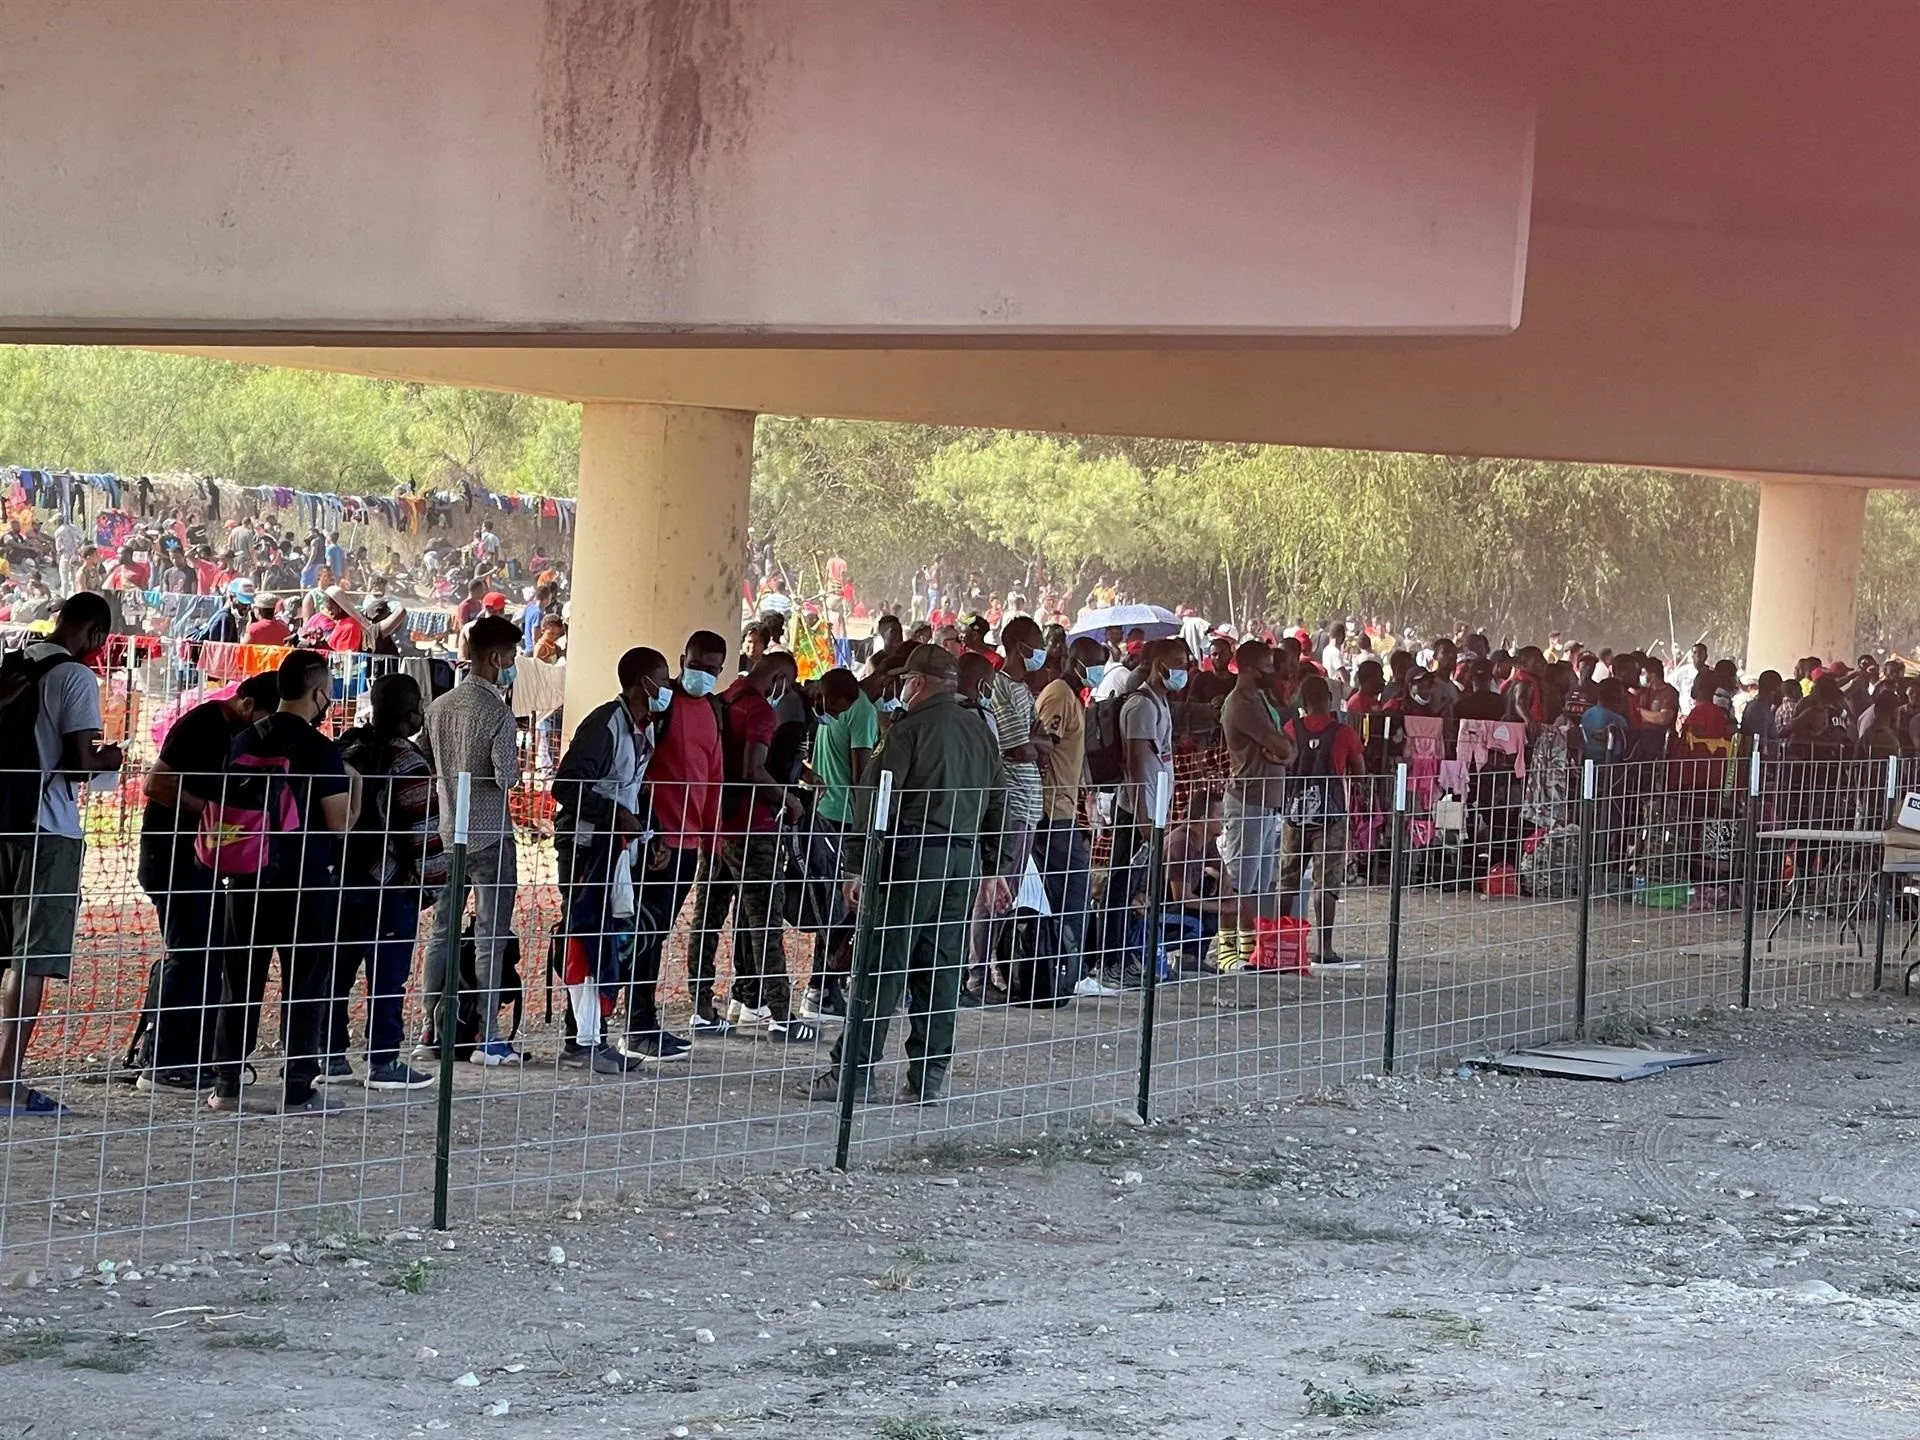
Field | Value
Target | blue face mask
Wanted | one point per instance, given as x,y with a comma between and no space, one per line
507,676
1096,673
1176,680
696,682
891,705
660,700
1036,659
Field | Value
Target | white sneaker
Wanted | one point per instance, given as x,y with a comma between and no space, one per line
741,1016
494,1053
1093,988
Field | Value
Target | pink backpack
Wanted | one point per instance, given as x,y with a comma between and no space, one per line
256,803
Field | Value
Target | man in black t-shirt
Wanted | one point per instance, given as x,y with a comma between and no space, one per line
291,906
183,992
1215,678
1482,701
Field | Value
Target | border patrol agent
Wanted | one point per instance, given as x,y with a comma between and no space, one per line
949,797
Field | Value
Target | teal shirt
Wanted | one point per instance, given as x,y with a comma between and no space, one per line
833,746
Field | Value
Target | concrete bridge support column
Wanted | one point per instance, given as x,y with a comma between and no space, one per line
661,538
1806,573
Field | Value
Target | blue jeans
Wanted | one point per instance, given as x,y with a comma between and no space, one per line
378,929
1065,859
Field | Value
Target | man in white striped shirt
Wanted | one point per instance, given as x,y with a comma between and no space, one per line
470,729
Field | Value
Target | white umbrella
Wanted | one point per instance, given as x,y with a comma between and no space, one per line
1156,622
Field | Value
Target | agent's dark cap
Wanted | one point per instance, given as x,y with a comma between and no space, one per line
931,660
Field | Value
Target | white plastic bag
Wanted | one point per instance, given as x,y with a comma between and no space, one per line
620,887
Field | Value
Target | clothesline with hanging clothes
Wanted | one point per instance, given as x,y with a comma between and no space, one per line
63,491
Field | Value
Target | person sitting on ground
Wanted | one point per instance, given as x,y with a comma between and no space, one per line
1199,895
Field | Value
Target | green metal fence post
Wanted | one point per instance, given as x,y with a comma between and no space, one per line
1589,811
1883,887
1750,866
1150,957
447,1022
1396,884
853,1033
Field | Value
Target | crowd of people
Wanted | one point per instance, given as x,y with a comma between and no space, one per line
1029,760
267,585
1027,765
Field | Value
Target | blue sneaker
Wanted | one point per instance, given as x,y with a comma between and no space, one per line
36,1103
495,1052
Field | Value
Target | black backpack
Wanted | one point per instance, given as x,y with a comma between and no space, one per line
1106,752
1311,796
21,789
367,841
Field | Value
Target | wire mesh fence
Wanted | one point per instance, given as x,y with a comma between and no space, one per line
268,1043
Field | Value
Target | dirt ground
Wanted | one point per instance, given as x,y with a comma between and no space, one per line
1731,1250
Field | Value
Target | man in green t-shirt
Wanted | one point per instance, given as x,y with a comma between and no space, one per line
848,732
845,740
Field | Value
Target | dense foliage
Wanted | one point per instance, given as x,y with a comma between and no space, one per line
132,412
1609,554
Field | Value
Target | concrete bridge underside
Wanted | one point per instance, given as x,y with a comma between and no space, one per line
1673,236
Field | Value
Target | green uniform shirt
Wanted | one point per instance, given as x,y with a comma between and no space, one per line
947,781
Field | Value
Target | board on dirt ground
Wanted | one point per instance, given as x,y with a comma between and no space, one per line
1593,1062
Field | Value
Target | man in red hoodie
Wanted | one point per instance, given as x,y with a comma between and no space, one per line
683,798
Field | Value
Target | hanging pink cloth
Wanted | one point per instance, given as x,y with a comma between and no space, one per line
1480,739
